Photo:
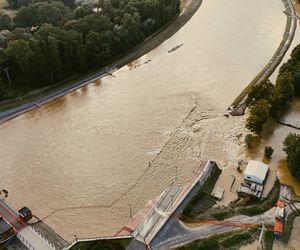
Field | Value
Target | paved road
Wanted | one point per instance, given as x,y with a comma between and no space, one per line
177,234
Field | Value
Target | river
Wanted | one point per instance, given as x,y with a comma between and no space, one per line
86,152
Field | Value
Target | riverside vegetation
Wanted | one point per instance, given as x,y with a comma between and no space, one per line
49,41
268,100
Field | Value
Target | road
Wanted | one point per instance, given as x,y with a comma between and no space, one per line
175,233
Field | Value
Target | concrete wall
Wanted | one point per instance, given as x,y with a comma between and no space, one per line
253,179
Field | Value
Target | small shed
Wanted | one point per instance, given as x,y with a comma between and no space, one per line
256,171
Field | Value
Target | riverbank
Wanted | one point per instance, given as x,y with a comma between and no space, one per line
13,108
284,46
91,148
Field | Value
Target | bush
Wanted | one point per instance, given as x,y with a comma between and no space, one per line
223,214
262,91
259,114
248,140
268,152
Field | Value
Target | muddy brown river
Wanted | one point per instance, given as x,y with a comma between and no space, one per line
81,161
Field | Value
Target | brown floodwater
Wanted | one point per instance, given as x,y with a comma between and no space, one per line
292,117
81,161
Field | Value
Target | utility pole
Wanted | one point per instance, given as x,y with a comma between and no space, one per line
7,75
263,228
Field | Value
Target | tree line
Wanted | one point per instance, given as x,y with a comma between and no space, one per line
268,100
49,41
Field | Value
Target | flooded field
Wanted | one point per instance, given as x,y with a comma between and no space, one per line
80,162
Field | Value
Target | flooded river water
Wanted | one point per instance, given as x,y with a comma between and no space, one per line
80,162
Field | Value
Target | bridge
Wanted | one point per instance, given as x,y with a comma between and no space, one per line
24,232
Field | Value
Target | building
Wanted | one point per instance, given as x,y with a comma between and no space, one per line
6,231
256,171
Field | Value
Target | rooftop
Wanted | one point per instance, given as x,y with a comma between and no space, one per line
256,168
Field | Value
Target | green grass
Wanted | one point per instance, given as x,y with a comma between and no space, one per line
223,241
222,215
265,204
203,200
119,244
288,227
255,208
236,239
268,240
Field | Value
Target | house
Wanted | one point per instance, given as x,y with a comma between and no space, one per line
256,172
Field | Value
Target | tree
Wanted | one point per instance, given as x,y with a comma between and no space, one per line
283,94
248,140
50,43
260,91
15,4
42,12
258,116
268,152
26,16
291,146
5,21
82,11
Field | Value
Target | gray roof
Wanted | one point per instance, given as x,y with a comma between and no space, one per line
257,169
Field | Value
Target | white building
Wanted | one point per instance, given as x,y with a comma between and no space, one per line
256,171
